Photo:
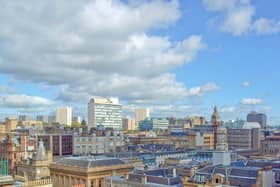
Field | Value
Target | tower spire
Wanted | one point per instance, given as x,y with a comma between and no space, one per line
41,153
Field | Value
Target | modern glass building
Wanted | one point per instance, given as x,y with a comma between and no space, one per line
106,112
153,124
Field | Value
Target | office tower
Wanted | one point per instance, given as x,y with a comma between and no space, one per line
141,114
64,116
153,124
76,119
23,118
11,124
246,138
128,124
104,111
41,118
51,120
257,117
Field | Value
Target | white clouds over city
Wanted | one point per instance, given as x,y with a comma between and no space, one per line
23,101
98,48
238,17
251,101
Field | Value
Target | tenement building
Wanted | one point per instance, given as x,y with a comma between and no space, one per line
270,146
103,141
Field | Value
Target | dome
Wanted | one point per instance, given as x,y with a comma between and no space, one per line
251,125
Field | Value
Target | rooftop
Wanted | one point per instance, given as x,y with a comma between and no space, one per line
89,161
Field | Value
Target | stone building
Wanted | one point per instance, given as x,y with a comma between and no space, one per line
88,170
103,142
244,138
34,172
270,146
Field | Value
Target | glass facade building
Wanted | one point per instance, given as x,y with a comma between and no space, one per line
153,124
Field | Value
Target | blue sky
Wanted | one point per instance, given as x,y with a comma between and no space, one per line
178,58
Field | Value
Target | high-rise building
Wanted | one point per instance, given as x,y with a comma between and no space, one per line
257,117
76,119
64,116
51,120
129,124
141,114
11,124
104,111
41,118
23,118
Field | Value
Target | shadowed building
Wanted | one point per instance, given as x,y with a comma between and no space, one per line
58,144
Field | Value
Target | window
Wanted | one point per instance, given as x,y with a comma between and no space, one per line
91,183
217,181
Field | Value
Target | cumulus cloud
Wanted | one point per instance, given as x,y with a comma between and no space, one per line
251,101
201,90
97,48
266,26
168,110
23,101
7,89
245,84
228,109
237,17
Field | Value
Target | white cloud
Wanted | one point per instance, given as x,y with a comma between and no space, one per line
266,26
228,109
7,89
23,101
219,5
238,20
245,84
97,48
237,17
251,101
201,90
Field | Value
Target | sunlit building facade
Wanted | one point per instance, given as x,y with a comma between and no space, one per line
104,111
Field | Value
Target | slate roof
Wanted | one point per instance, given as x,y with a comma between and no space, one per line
89,161
237,176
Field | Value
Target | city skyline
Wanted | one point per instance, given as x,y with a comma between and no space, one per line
177,65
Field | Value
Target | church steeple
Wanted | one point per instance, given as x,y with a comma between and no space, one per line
215,118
